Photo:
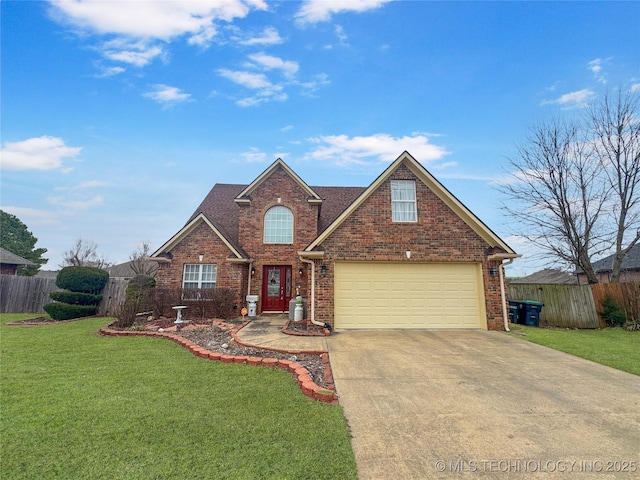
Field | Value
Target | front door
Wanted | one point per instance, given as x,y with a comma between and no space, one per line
276,288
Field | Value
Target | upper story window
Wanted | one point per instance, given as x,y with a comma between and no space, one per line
403,201
278,225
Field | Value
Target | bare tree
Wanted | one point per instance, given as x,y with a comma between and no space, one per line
554,195
84,254
575,186
140,263
615,128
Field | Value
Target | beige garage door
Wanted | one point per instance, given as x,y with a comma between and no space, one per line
408,295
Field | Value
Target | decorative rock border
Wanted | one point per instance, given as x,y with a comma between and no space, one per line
306,384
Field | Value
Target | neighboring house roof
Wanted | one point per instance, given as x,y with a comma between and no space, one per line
630,262
124,270
8,258
47,274
549,276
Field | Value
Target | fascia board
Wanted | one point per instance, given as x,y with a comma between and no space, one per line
187,229
264,175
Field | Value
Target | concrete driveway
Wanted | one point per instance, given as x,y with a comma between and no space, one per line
477,404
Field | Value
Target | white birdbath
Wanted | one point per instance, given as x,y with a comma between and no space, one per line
179,322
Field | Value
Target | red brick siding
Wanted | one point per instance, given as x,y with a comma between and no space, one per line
605,277
305,227
6,269
202,240
439,236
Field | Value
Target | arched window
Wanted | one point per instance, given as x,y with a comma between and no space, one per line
278,225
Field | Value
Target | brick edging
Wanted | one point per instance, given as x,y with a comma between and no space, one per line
303,378
325,332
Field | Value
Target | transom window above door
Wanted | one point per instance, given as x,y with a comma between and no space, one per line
403,201
278,225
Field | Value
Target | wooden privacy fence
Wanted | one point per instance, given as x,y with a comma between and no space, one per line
29,294
569,306
578,306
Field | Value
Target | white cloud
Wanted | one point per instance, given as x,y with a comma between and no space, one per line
84,185
254,155
34,217
38,153
151,21
269,62
167,95
138,53
78,204
344,150
314,11
575,99
596,67
635,88
269,36
265,90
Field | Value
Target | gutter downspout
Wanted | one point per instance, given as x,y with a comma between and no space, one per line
249,279
505,307
313,292
503,296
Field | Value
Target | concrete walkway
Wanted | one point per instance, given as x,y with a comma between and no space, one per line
266,331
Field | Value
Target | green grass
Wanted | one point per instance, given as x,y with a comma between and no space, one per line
78,405
614,347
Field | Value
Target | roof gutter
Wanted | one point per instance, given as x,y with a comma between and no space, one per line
510,258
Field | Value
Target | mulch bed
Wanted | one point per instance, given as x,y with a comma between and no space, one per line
217,338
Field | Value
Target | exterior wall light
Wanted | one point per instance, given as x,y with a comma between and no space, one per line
493,271
253,270
323,270
300,271
201,257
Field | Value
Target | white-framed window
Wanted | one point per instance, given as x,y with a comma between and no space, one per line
199,275
403,201
278,225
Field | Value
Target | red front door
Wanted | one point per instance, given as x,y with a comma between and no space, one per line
276,288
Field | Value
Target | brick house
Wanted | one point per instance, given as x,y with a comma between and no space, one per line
400,253
629,270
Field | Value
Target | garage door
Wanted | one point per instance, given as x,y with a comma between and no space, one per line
408,295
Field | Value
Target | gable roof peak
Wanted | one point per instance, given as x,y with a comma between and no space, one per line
245,195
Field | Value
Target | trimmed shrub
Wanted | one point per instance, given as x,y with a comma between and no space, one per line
76,298
82,279
63,311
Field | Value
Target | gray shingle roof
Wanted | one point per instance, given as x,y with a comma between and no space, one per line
549,276
631,261
9,258
221,209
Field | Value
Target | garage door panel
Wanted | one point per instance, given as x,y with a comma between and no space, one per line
408,295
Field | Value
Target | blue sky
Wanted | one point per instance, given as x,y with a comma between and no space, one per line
119,116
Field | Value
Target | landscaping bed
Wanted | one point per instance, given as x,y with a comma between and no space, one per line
218,338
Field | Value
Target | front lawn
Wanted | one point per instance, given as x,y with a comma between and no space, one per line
78,405
614,347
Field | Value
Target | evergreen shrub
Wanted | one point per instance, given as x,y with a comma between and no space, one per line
82,279
64,311
76,298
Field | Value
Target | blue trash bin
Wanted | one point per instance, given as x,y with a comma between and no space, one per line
529,312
